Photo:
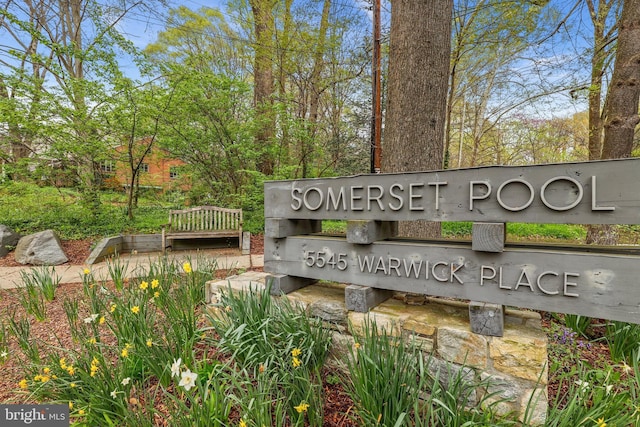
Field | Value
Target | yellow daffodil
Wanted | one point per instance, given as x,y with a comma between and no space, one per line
296,362
242,424
70,405
71,370
112,308
187,267
601,423
86,271
296,352
23,384
302,407
144,285
63,363
135,309
72,385
156,294
81,412
94,367
149,343
46,370
101,320
124,352
154,283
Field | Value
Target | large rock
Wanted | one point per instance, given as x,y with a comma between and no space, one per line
42,248
8,239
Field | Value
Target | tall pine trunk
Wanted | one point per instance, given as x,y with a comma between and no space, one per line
420,50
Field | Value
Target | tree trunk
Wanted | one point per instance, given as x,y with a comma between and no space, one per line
308,144
599,13
420,48
263,81
622,104
621,115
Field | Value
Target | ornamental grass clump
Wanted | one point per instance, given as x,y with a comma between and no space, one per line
43,278
624,340
385,377
393,383
284,346
38,287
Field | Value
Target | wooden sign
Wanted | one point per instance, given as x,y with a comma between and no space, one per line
581,280
606,192
603,285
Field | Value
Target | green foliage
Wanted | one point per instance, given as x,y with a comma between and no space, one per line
522,231
278,341
28,208
392,383
124,337
577,323
38,287
623,340
590,397
551,231
456,229
385,377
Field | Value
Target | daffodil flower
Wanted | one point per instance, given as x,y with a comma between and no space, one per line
188,379
91,318
186,266
175,367
302,407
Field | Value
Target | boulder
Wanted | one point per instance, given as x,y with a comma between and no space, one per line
8,239
42,248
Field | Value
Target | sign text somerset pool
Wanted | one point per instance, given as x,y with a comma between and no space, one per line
582,193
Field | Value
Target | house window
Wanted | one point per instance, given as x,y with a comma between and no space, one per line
173,172
108,166
144,167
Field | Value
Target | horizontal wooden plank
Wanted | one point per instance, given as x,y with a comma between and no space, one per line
592,284
204,208
202,235
601,192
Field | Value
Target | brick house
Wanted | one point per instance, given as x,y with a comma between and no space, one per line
158,170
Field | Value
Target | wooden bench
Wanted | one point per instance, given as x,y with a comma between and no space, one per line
202,222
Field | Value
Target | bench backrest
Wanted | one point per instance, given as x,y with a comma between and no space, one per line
205,218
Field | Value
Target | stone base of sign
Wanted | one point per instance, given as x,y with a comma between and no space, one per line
486,318
363,298
283,284
516,363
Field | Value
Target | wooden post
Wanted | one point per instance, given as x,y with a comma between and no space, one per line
485,318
